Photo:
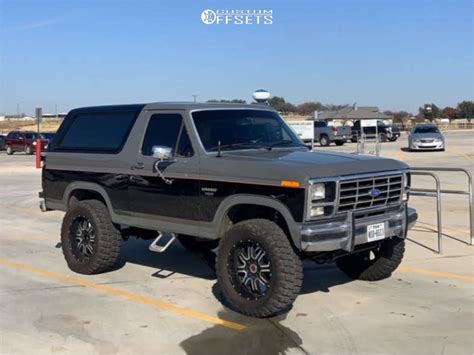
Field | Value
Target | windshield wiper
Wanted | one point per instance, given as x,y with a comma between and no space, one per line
237,145
282,142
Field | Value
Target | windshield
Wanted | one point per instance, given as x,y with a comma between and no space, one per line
33,136
243,129
426,129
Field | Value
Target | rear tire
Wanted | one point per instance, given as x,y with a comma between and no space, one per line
258,271
324,140
387,258
90,241
9,150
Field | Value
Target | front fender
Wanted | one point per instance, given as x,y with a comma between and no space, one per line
248,199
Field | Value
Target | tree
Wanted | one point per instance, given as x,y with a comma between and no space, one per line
308,108
449,112
429,111
233,101
466,110
279,104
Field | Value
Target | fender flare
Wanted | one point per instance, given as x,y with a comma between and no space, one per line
81,185
264,201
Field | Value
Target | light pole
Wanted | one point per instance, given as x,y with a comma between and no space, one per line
194,97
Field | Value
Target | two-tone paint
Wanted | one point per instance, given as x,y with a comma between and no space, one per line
204,187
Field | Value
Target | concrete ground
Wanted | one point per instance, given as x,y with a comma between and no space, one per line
168,304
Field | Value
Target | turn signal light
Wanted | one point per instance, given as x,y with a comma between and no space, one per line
289,183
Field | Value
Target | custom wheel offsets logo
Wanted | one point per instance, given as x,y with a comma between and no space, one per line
237,17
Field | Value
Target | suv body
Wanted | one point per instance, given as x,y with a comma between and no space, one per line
232,176
386,132
18,141
325,134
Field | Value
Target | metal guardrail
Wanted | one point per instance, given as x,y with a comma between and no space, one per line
428,171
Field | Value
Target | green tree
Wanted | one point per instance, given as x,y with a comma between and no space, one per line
466,110
279,104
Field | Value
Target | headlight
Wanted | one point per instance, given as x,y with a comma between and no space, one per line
34,143
417,141
317,192
406,186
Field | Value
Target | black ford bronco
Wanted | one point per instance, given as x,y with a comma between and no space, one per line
234,179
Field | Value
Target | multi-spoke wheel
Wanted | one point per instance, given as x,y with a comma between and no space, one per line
90,241
375,264
83,237
251,275
258,271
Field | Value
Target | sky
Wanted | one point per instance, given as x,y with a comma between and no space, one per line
396,55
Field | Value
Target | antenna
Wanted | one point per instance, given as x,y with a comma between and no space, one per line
218,149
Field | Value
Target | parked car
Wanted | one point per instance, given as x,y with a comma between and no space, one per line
425,137
48,136
325,134
18,141
232,177
2,142
386,132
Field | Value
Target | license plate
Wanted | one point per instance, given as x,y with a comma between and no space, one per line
375,232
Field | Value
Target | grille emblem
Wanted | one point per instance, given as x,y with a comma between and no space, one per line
374,193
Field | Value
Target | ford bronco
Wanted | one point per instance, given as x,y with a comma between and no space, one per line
234,179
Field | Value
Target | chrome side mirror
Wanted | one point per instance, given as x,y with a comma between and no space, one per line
162,153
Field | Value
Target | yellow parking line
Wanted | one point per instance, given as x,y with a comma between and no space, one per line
124,294
400,155
461,152
435,273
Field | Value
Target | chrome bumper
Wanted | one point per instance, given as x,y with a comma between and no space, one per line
352,231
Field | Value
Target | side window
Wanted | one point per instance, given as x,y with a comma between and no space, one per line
163,129
185,148
103,132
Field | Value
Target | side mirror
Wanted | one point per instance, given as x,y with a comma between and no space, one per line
162,153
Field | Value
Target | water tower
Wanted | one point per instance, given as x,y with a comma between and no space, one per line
261,96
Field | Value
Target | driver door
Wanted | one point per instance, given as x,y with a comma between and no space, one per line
175,192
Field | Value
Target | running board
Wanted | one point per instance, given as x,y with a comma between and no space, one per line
161,248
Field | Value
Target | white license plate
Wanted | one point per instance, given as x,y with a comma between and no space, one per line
375,232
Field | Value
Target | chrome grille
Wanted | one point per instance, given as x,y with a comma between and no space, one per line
355,194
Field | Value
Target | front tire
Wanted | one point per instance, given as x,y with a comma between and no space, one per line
375,264
340,143
9,150
90,241
258,271
28,150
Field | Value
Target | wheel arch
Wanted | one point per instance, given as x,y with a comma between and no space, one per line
87,190
235,203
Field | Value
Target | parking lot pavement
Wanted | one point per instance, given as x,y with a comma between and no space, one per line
168,303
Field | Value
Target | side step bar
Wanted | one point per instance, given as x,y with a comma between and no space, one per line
155,247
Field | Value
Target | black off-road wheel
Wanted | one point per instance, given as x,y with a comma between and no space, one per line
258,271
90,241
197,245
376,264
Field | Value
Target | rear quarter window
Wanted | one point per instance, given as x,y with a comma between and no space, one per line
100,132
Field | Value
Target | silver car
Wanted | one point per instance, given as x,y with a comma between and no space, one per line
425,137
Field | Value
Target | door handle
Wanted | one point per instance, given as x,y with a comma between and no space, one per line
138,165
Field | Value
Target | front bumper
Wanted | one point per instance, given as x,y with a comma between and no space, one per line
427,146
345,234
